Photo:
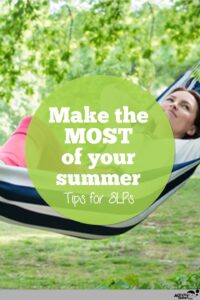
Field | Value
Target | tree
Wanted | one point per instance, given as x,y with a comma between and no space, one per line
43,42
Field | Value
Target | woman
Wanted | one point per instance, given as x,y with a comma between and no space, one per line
182,108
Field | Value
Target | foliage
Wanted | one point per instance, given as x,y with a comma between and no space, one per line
39,40
186,281
44,42
131,281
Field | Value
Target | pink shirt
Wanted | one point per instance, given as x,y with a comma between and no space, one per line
13,151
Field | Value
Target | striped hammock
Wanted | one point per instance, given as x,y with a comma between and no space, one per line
21,204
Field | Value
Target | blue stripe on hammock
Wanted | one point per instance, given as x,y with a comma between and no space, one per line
171,185
30,195
23,215
20,194
28,217
184,164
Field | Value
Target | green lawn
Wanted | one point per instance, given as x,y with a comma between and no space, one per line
162,252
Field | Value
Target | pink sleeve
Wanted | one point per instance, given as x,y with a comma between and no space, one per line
13,151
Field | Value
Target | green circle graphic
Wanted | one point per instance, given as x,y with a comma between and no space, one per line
99,150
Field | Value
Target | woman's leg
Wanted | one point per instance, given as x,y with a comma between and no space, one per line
13,151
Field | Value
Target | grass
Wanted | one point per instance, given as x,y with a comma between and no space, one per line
162,252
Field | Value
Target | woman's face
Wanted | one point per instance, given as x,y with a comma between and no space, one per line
181,109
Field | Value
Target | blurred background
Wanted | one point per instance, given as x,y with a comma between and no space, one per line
44,42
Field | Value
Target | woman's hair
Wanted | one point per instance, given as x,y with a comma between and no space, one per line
197,119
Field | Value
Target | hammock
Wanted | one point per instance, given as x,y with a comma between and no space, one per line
21,204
